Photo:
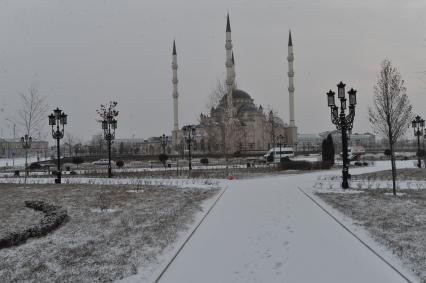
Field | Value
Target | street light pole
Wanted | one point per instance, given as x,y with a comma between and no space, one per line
58,118
418,124
109,125
280,140
26,144
164,140
343,122
189,132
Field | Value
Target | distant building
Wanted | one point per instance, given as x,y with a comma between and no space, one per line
13,148
367,140
309,142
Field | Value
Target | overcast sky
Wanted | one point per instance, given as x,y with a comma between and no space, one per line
83,53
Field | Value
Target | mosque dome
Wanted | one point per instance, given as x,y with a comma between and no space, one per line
278,121
240,94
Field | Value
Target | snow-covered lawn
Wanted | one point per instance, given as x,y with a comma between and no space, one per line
398,223
111,233
19,161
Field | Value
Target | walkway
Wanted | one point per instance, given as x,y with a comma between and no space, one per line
266,230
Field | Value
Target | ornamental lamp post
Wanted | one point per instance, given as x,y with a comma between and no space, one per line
109,125
280,143
164,140
343,122
58,118
189,132
418,125
26,144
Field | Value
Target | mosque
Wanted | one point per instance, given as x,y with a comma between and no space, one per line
236,123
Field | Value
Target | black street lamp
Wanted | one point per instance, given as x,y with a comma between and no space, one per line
280,143
109,125
58,118
164,140
189,133
418,124
343,122
26,144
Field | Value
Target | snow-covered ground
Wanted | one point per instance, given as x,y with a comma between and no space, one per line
20,161
112,232
266,230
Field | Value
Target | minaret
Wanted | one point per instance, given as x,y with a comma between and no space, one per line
234,85
175,89
290,59
229,76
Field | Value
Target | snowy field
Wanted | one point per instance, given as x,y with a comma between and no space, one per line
396,223
262,229
112,232
19,161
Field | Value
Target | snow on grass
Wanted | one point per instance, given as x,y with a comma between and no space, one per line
182,183
105,239
396,223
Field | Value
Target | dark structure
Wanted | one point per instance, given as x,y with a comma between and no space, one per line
109,125
418,125
26,144
328,150
58,118
343,122
189,133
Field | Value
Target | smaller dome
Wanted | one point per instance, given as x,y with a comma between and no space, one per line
278,121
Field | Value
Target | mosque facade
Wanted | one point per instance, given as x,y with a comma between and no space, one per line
236,124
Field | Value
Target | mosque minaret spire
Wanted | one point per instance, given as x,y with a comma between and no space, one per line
175,89
290,59
229,68
234,85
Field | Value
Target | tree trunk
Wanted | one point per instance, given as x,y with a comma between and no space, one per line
393,165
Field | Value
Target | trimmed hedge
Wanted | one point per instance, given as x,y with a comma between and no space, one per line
287,164
53,218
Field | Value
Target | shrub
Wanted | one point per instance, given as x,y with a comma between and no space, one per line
287,164
54,216
103,201
34,166
204,161
119,163
73,173
77,160
163,158
328,149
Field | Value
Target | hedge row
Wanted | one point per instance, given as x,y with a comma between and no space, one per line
287,164
53,218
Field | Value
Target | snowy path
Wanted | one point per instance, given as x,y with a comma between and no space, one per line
266,230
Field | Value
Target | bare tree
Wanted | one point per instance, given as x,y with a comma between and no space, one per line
70,141
32,115
217,94
392,111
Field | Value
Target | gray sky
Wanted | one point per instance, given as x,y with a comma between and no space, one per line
83,53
